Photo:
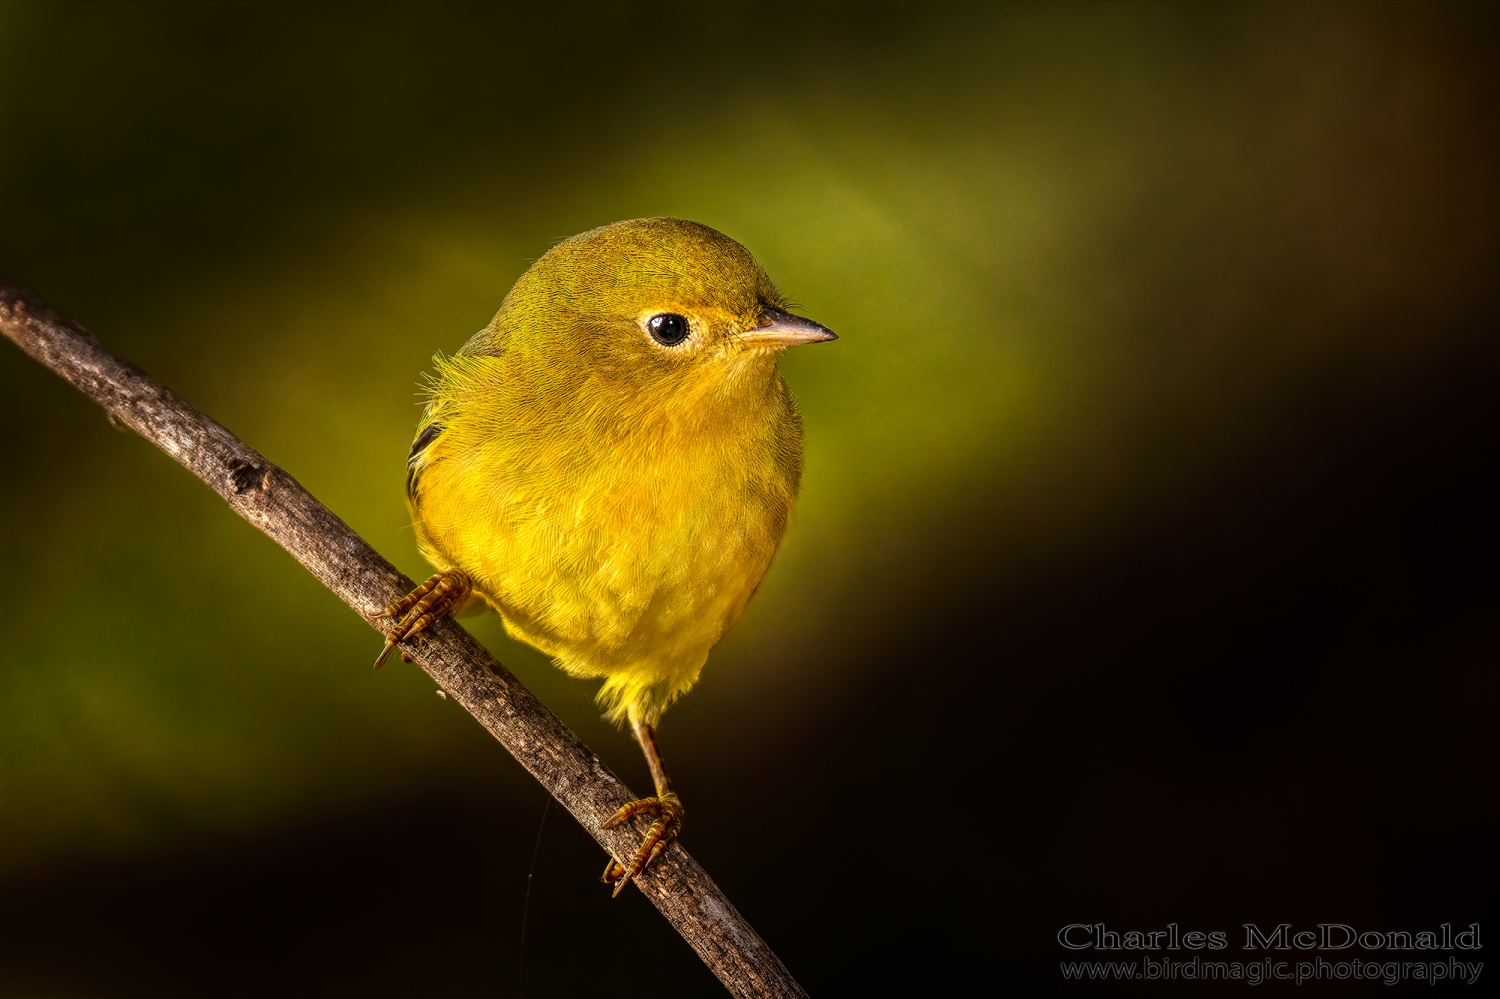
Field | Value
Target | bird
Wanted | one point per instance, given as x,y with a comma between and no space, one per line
611,465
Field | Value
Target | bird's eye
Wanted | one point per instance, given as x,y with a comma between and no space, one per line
668,328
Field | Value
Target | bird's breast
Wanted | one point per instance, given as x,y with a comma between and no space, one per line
617,553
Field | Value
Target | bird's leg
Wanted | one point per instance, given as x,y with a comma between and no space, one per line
440,596
665,809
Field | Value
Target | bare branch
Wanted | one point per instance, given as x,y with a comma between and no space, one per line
275,503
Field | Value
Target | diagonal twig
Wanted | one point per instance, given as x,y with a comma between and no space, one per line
274,502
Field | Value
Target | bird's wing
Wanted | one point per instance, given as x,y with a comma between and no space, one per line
414,460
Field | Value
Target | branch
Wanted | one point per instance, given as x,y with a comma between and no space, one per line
274,502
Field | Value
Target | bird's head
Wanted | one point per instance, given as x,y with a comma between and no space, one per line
653,306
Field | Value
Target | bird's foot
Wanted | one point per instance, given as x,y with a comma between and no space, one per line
440,596
667,812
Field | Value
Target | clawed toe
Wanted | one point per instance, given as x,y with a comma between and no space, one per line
666,811
440,596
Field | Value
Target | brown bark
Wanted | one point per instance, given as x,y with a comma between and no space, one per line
274,502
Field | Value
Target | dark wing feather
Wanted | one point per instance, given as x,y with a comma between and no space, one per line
426,437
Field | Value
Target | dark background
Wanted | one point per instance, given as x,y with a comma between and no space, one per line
1145,565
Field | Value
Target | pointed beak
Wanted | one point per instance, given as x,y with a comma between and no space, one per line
782,329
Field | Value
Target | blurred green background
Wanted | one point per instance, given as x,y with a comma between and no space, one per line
1110,280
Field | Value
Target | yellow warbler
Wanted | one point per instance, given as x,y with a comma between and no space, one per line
610,464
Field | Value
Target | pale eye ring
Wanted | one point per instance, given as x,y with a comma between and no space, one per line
668,328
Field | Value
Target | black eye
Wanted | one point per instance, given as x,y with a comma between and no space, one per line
668,328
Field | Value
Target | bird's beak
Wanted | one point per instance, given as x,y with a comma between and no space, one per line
782,329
